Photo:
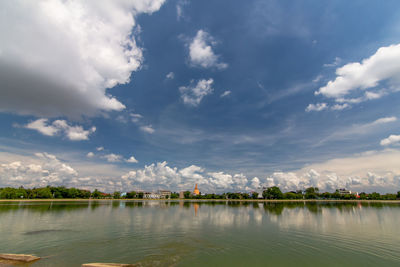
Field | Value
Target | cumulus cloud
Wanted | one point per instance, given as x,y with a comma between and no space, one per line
48,170
100,148
60,59
201,53
113,157
392,139
376,170
316,107
147,129
73,133
372,171
383,65
132,159
194,93
160,175
90,155
340,106
226,93
170,76
135,118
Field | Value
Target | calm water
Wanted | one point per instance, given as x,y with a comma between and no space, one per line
156,233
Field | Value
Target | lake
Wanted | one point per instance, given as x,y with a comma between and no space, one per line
177,233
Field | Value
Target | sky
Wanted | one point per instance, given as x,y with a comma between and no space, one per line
232,95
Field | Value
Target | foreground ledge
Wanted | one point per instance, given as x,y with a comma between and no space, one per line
108,265
19,257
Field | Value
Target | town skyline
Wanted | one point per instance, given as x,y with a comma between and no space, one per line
158,94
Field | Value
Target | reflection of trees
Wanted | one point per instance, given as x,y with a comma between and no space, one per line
274,207
116,204
43,206
133,204
313,207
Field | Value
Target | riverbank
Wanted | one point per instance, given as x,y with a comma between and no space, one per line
199,200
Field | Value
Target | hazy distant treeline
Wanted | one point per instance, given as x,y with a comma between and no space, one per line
273,192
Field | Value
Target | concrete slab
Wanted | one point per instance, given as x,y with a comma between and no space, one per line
19,257
109,265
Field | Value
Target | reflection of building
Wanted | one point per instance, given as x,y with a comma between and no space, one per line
164,193
196,191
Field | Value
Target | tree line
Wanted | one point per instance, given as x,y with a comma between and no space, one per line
273,192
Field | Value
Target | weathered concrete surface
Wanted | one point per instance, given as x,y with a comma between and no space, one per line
109,265
19,257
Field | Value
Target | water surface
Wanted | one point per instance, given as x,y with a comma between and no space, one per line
167,233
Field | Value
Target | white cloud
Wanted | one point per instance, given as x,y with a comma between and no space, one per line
73,133
193,94
58,58
100,148
132,159
367,96
316,107
357,173
226,93
46,170
383,65
317,79
160,175
147,129
384,120
374,95
335,63
42,126
355,130
201,53
170,75
113,157
179,9
340,106
255,183
135,117
392,139
90,155
372,171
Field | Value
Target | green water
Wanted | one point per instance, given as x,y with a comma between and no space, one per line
158,233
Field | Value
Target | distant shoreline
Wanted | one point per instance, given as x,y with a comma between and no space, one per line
199,200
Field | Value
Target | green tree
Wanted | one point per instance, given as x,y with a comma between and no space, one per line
117,195
96,194
374,196
43,192
254,195
312,193
273,192
187,194
131,194
174,195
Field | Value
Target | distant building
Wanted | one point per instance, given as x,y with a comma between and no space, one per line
344,191
196,191
164,193
182,194
151,195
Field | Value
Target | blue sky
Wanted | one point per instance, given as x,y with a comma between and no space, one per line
233,95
